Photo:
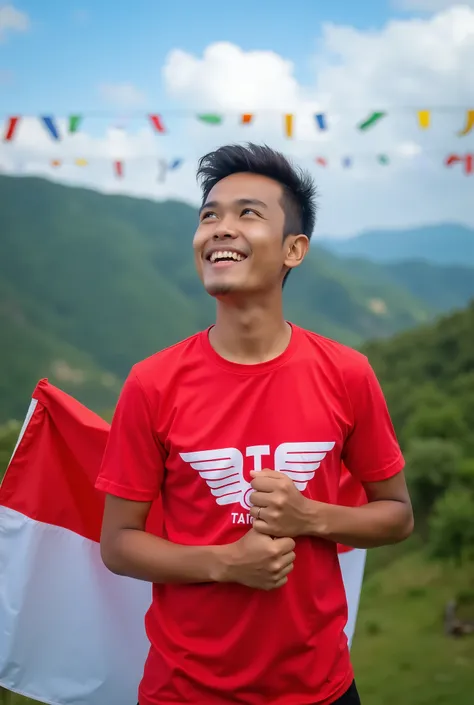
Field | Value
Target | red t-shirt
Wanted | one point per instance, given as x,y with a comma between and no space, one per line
186,419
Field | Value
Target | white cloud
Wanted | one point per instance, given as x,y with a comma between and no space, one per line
430,5
123,95
406,65
12,20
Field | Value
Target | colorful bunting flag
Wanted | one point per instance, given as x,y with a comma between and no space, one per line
157,122
321,161
55,162
321,121
211,118
383,159
371,120
118,166
289,125
50,126
246,118
468,161
81,162
74,122
347,163
424,119
175,164
10,128
469,124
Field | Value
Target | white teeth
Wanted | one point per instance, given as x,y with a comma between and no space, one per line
226,254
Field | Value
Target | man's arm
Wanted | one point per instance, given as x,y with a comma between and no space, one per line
386,519
281,510
127,549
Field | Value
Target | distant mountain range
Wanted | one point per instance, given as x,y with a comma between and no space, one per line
91,283
440,244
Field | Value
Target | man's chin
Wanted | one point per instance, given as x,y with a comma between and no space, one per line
221,289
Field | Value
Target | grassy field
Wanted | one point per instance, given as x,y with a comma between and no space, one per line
400,653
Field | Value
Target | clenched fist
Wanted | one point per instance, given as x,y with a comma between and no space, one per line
279,509
258,561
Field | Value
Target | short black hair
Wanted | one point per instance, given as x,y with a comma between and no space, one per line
299,191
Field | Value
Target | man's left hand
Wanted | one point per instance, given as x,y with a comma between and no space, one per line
279,509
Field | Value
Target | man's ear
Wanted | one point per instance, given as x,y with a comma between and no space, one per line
296,249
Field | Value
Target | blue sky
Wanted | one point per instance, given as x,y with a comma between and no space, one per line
70,49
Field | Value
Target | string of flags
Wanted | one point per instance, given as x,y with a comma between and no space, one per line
461,162
160,125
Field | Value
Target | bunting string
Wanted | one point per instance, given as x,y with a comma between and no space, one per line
159,122
462,163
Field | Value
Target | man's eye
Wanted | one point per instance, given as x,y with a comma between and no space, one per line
207,215
249,210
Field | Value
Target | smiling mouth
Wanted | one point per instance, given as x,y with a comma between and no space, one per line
222,257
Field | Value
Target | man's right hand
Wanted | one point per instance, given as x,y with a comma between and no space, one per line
258,561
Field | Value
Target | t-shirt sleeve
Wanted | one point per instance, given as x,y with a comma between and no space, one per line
133,462
371,452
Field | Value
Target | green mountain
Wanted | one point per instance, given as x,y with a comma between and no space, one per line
91,283
441,244
440,288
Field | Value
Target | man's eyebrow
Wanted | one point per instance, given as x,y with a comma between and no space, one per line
239,202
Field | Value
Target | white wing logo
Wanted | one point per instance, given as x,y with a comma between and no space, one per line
301,460
223,469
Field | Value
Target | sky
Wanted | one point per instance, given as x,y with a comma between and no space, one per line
117,63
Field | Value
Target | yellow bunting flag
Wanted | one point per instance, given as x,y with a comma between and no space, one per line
469,123
81,162
247,118
424,119
289,125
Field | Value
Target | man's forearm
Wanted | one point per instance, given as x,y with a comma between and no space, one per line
143,556
375,524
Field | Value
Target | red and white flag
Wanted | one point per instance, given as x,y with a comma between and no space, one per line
71,632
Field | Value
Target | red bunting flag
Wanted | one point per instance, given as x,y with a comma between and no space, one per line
157,122
247,118
10,128
321,161
468,161
118,166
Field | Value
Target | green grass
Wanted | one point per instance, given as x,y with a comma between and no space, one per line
400,653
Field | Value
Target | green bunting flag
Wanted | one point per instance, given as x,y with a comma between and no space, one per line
210,118
74,122
372,120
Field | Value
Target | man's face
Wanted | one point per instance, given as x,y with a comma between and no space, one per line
239,244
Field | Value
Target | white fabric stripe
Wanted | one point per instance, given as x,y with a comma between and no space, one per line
352,567
29,414
71,632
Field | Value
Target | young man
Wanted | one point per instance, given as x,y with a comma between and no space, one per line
248,601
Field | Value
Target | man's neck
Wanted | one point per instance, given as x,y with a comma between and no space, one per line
249,334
